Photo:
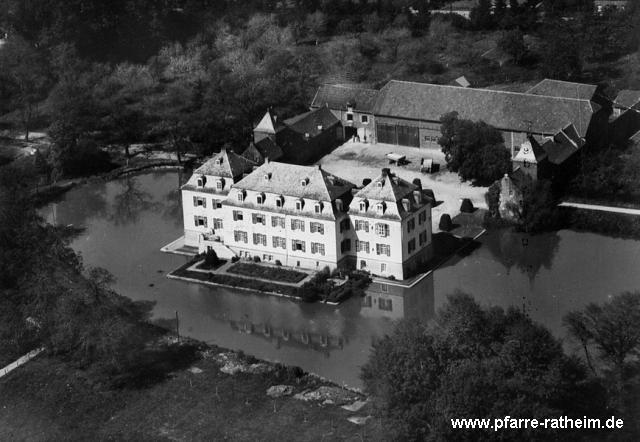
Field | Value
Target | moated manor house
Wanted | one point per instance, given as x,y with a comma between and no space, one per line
303,216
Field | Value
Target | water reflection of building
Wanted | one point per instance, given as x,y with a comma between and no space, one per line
399,299
280,336
324,329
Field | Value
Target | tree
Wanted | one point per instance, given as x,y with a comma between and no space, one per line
474,362
481,16
24,74
561,52
613,328
473,149
512,44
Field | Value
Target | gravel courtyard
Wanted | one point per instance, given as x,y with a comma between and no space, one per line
355,161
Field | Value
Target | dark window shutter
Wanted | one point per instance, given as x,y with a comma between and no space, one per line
195,201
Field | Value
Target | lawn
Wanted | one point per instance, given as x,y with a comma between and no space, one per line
267,272
47,399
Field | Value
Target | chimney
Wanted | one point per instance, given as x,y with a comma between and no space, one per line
319,166
266,160
386,171
406,204
417,196
417,182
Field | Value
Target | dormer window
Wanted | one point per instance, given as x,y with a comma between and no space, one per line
380,208
280,201
364,119
349,116
219,185
267,176
202,181
304,182
339,206
218,161
363,205
241,195
299,204
260,198
318,208
380,183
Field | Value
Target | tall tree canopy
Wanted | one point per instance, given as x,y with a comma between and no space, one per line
473,149
475,362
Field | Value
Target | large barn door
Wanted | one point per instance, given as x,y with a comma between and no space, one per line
386,133
408,136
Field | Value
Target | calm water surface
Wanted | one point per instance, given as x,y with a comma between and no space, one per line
127,221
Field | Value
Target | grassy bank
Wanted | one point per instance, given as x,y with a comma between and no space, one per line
49,400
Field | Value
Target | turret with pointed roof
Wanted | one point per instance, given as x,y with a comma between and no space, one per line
266,128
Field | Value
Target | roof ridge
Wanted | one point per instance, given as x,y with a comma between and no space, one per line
489,90
347,87
564,81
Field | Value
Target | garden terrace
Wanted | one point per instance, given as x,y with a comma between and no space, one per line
267,272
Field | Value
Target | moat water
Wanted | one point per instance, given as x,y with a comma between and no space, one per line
127,222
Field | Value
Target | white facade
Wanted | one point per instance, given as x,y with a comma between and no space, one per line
304,217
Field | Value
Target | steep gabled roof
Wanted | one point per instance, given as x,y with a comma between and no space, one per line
387,187
313,122
563,145
225,164
262,149
530,152
627,99
565,89
501,109
337,97
267,124
286,179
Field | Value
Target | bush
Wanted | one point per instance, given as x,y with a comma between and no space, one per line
235,259
278,263
445,222
492,198
211,258
466,206
256,259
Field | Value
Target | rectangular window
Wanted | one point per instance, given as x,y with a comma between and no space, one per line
280,242
298,245
345,245
279,202
362,246
317,228
349,117
297,224
277,221
385,304
260,239
384,287
199,201
422,217
240,236
363,264
364,119
219,185
366,301
411,224
412,245
200,221
317,247
237,215
345,225
383,268
217,223
216,204
383,249
382,229
258,218
362,225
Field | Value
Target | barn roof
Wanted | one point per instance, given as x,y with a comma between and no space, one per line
312,122
501,109
337,97
565,89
